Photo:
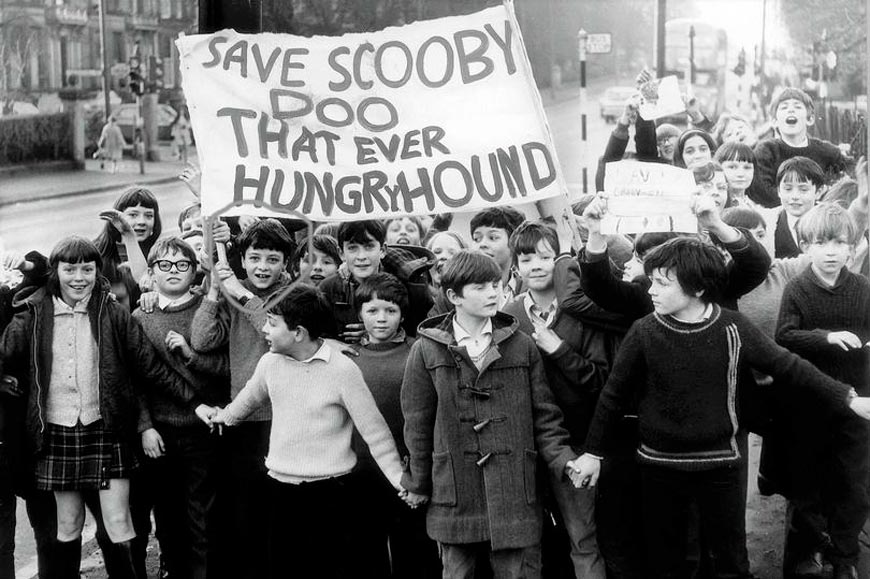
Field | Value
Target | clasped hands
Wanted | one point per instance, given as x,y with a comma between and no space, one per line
212,416
584,471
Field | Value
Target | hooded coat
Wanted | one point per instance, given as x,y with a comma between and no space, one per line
475,438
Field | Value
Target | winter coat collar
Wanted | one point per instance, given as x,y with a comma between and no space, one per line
440,328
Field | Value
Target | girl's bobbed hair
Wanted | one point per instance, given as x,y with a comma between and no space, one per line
109,237
72,249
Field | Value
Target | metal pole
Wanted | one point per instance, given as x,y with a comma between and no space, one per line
107,82
867,124
138,136
661,16
582,37
763,37
692,55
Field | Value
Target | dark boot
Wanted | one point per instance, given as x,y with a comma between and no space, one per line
66,560
124,559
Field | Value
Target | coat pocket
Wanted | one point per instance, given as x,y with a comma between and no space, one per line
530,475
443,480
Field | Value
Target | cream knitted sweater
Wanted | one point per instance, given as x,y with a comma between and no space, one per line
316,404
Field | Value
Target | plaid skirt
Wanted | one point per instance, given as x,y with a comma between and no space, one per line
80,458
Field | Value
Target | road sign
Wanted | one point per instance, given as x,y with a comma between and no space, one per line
84,72
120,69
598,43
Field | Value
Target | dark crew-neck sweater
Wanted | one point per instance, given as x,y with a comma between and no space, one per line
383,368
811,309
770,154
688,379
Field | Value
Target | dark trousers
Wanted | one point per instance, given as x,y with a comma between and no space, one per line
180,487
464,561
242,504
7,517
831,518
313,530
393,540
721,502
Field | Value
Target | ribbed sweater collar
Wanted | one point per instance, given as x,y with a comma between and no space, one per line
681,327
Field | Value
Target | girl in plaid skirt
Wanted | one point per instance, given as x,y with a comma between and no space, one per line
82,352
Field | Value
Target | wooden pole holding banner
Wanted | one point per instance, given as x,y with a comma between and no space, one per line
582,39
558,207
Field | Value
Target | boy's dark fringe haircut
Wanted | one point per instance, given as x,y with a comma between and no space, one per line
506,218
792,93
744,217
306,306
734,151
526,237
414,219
72,249
804,168
650,240
168,246
468,267
826,222
361,232
187,212
698,266
266,234
323,243
385,287
705,173
681,142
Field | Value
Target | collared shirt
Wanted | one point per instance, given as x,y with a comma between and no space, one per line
164,302
73,391
792,222
708,311
323,353
400,337
507,291
474,346
538,316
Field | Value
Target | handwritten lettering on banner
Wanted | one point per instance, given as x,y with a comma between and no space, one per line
648,197
433,116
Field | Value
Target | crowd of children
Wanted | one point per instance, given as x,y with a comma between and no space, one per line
404,399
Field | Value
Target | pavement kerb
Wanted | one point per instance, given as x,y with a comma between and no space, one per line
98,189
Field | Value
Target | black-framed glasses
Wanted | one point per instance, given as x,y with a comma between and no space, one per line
181,265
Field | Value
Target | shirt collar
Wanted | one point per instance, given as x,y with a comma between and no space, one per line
323,354
400,337
534,311
708,312
62,308
461,334
164,302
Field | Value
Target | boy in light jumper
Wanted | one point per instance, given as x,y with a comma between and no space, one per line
317,396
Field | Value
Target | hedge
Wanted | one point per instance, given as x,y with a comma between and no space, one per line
35,138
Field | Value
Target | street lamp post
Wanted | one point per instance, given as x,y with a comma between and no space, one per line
692,55
107,84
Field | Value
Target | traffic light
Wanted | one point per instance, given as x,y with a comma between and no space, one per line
137,82
740,69
155,73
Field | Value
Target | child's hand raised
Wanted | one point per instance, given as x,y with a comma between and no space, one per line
152,443
228,279
118,221
176,343
546,339
860,405
845,340
192,177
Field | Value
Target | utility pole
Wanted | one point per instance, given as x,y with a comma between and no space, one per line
582,38
661,17
692,55
107,82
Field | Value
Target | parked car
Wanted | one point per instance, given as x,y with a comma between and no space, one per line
612,102
125,115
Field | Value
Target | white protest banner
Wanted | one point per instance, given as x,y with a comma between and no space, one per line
435,116
648,197
660,97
